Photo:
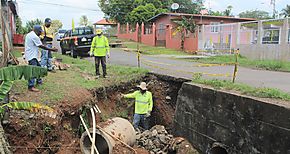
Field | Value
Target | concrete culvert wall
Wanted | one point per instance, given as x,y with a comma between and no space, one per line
113,128
243,124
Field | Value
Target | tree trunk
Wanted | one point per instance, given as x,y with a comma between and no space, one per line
182,39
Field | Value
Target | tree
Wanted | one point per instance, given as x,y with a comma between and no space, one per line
19,28
189,6
56,25
143,13
117,9
286,11
84,21
256,14
228,11
216,13
184,25
31,23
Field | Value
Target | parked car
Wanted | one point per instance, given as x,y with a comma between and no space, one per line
60,33
78,42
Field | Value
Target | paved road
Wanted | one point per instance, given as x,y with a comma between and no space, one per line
185,69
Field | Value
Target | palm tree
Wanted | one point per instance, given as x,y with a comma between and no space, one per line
84,21
286,11
228,11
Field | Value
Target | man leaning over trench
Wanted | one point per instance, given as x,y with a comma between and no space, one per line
32,43
143,106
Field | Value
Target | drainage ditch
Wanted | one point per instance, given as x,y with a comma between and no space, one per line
30,133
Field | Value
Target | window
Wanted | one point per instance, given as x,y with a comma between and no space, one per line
75,32
161,28
215,27
271,36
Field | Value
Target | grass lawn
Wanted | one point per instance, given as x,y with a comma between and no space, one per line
273,65
80,75
245,89
146,49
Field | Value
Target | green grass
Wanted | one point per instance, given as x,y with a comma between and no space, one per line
81,74
245,89
16,53
273,65
150,50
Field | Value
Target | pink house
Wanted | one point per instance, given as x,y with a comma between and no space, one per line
163,29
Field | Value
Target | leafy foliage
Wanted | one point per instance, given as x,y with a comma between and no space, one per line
56,25
124,11
31,23
84,21
191,7
10,74
256,14
32,107
185,24
5,88
143,13
226,12
19,28
286,11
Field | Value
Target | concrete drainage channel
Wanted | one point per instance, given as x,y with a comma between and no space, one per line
184,114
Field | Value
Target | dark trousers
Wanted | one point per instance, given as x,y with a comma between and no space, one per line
101,60
31,82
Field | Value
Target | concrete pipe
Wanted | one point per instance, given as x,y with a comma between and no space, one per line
118,127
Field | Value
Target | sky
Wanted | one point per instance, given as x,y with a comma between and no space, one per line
54,9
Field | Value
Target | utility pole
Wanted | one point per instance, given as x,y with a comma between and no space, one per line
273,2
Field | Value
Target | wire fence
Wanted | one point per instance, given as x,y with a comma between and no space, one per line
257,34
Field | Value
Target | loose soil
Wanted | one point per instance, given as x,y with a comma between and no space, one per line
33,133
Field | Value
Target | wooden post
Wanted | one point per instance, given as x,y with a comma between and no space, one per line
236,65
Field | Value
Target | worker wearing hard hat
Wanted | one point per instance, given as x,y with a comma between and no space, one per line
143,106
47,38
100,49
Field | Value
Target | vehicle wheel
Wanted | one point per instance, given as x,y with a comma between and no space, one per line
73,53
63,51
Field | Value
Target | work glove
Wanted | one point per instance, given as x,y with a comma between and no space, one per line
148,114
108,54
91,54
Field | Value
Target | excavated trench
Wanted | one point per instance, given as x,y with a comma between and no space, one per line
31,133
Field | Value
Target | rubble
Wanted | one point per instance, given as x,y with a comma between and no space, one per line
158,141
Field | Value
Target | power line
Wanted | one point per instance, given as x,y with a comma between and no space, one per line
61,5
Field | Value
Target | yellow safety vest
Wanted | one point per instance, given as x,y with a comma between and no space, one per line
143,103
48,33
100,46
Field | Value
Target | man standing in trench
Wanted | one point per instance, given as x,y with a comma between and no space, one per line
32,43
143,106
100,49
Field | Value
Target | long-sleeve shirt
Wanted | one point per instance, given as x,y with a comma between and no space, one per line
100,46
143,102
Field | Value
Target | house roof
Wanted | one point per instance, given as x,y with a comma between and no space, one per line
198,16
105,22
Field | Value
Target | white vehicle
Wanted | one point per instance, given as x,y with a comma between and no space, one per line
60,33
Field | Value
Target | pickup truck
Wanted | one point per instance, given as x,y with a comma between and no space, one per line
78,42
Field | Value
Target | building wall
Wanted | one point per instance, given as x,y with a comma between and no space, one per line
242,125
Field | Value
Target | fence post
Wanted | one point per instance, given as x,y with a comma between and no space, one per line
236,65
260,32
118,29
127,28
154,34
137,33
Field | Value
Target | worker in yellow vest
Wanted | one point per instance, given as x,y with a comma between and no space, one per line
47,38
143,106
100,49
